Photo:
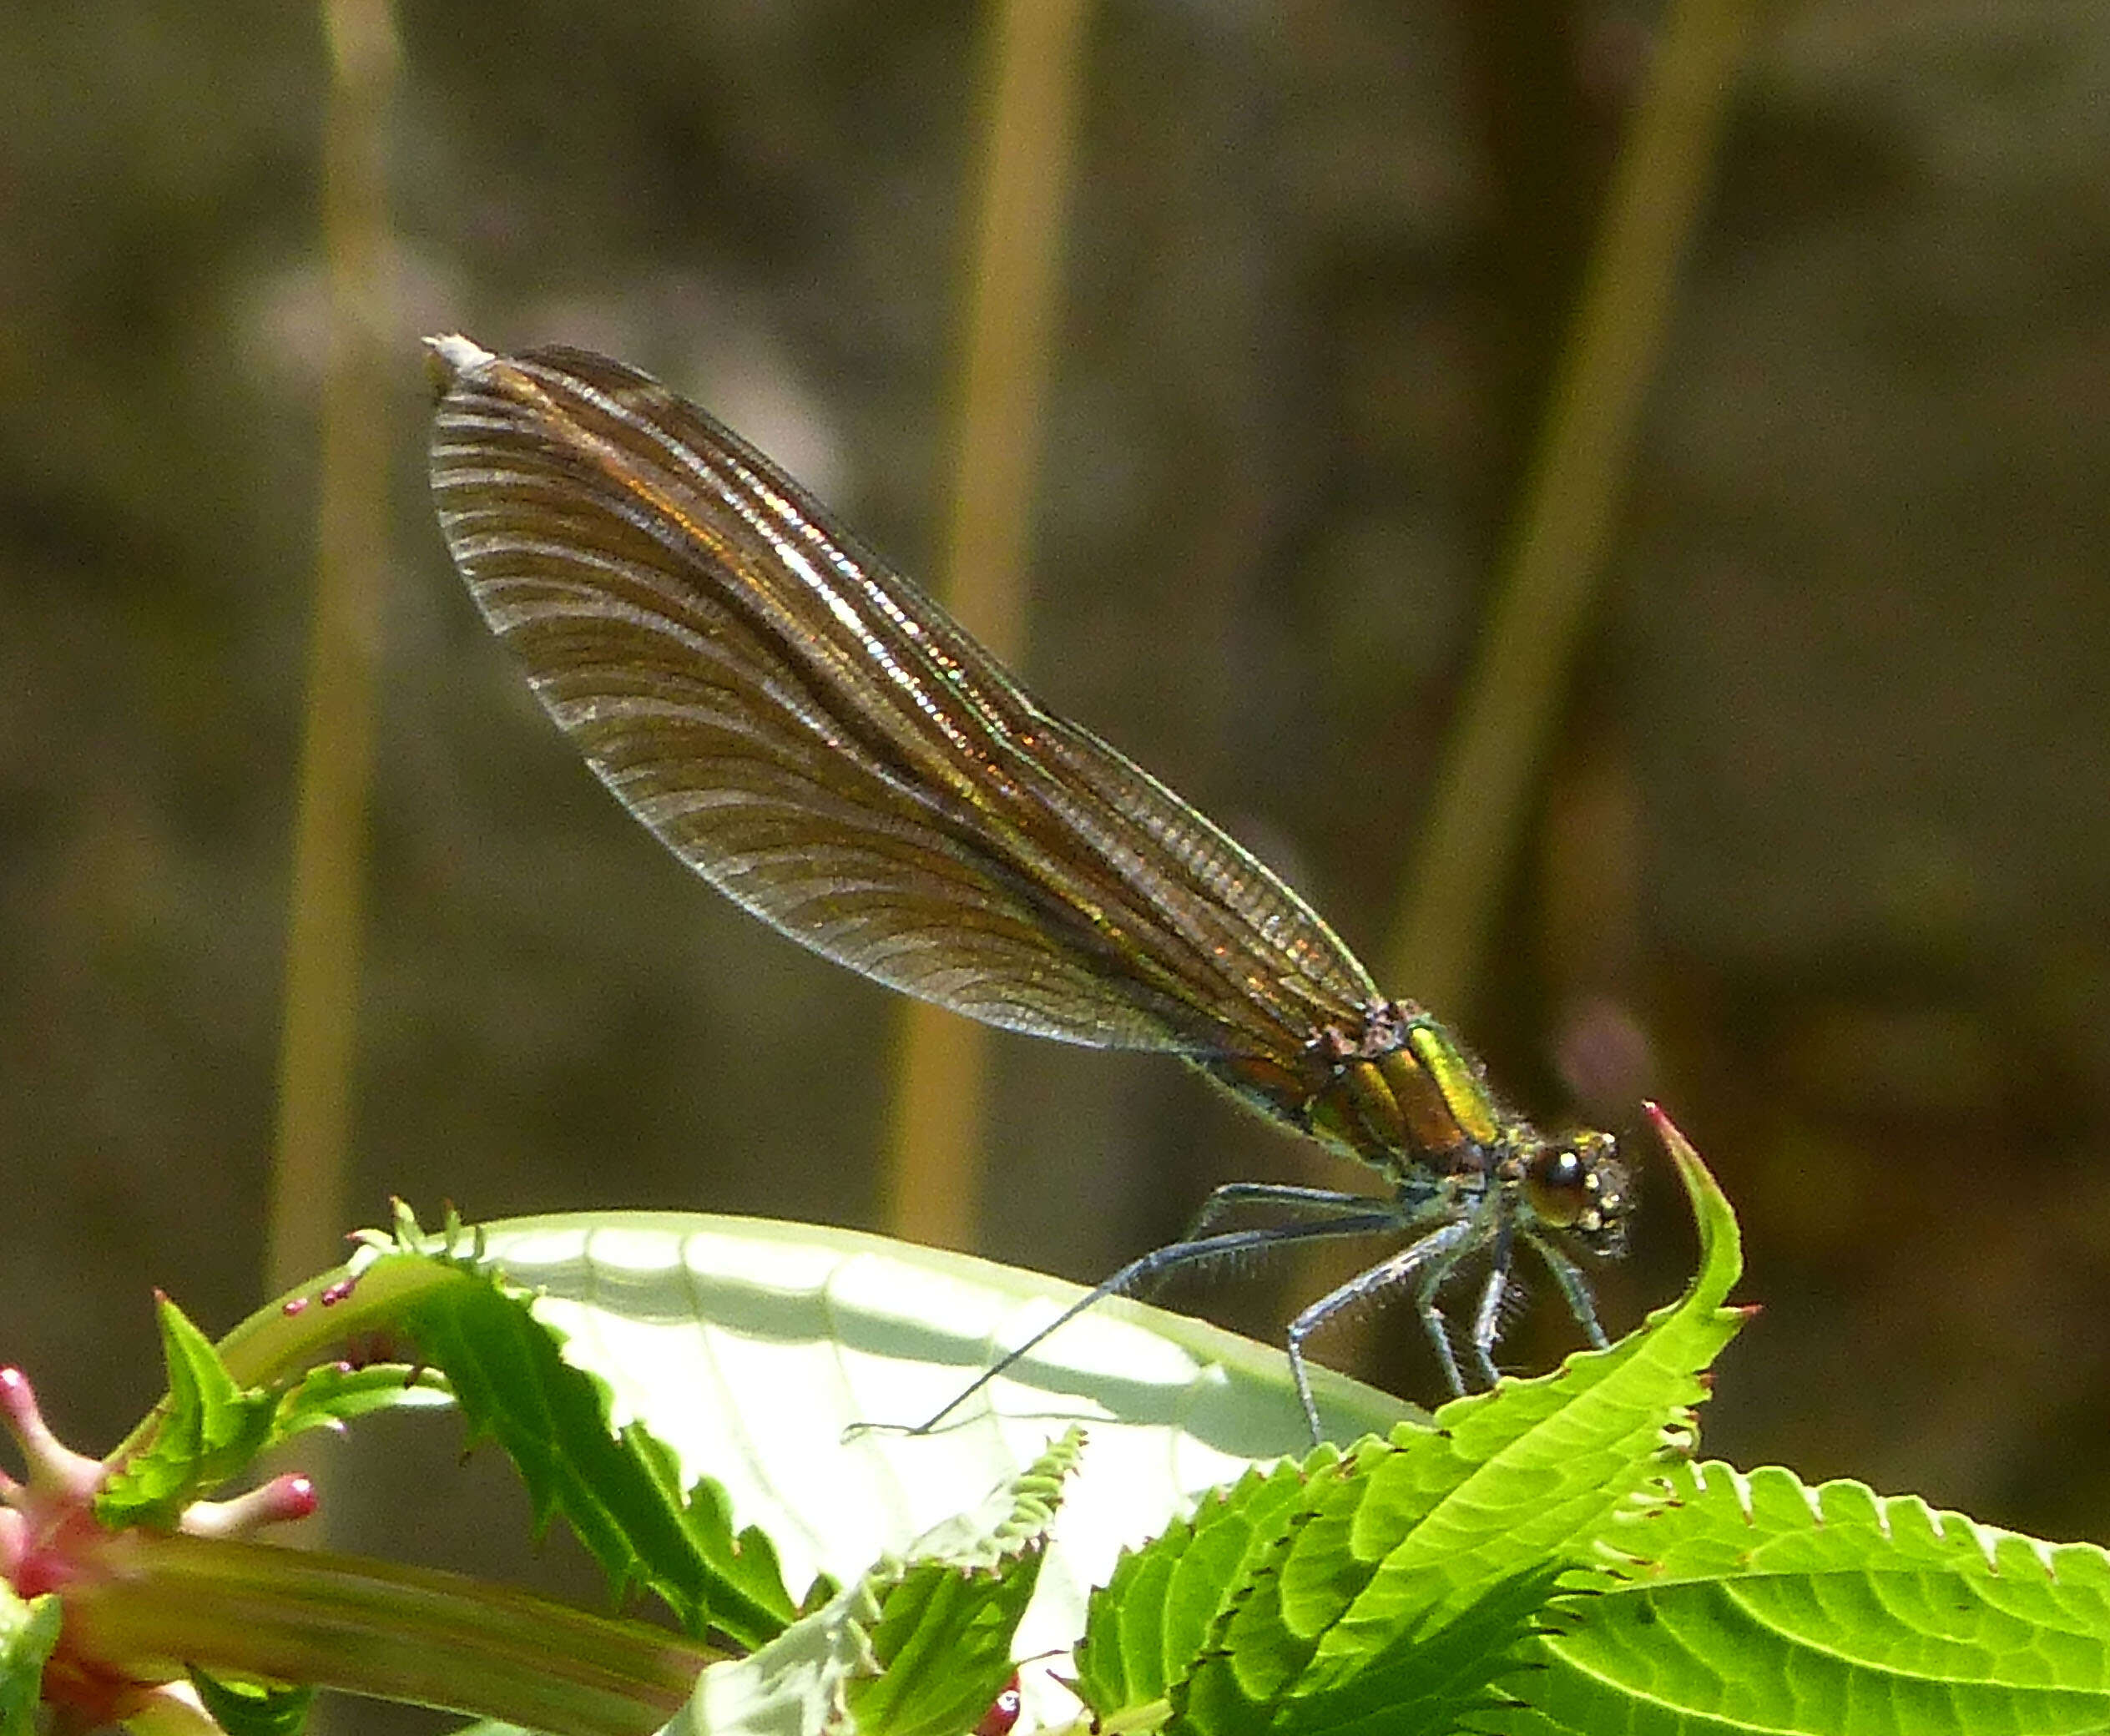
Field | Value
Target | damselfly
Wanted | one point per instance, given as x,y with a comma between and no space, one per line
819,739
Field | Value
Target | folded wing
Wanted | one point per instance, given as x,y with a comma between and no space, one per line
818,739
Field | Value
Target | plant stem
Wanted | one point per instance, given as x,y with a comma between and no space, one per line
1476,816
1034,71
150,1606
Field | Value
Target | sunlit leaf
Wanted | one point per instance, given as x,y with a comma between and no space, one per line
780,1365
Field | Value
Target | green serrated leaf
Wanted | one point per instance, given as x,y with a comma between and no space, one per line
1531,1471
1147,1626
943,1646
247,1708
335,1394
29,1630
209,1430
943,1638
774,1357
796,1684
1758,1603
1421,1682
1462,1528
916,1647
620,1492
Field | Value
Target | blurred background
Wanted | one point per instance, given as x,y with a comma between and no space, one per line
1817,850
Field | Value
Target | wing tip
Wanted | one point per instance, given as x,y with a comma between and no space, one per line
451,355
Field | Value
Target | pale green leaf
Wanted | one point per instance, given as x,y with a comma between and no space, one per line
784,1364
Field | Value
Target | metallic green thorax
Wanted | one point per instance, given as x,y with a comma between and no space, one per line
1404,1096
1399,1093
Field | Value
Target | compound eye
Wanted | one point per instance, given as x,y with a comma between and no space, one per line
1562,1189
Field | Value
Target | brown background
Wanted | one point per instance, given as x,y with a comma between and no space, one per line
1830,820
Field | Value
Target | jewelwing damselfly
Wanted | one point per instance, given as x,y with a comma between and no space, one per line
819,739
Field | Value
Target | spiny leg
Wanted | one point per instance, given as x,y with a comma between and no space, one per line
1442,1247
1311,1204
1575,1287
1149,1267
1433,1320
1487,1318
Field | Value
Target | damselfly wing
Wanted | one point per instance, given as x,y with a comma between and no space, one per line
817,738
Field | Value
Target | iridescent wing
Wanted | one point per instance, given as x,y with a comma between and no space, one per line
823,743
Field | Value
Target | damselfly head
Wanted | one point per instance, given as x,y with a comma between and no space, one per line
1577,1185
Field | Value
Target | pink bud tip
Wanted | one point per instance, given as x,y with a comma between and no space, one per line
53,1465
284,1498
297,1499
18,1409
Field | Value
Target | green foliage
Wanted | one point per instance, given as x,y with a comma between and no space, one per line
209,1430
1755,1603
339,1393
210,1427
695,1395
777,1359
1144,1632
29,1633
245,1708
1394,1587
917,1647
942,1642
620,1491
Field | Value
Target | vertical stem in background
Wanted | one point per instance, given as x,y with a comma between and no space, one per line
318,1047
1034,64
1483,793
